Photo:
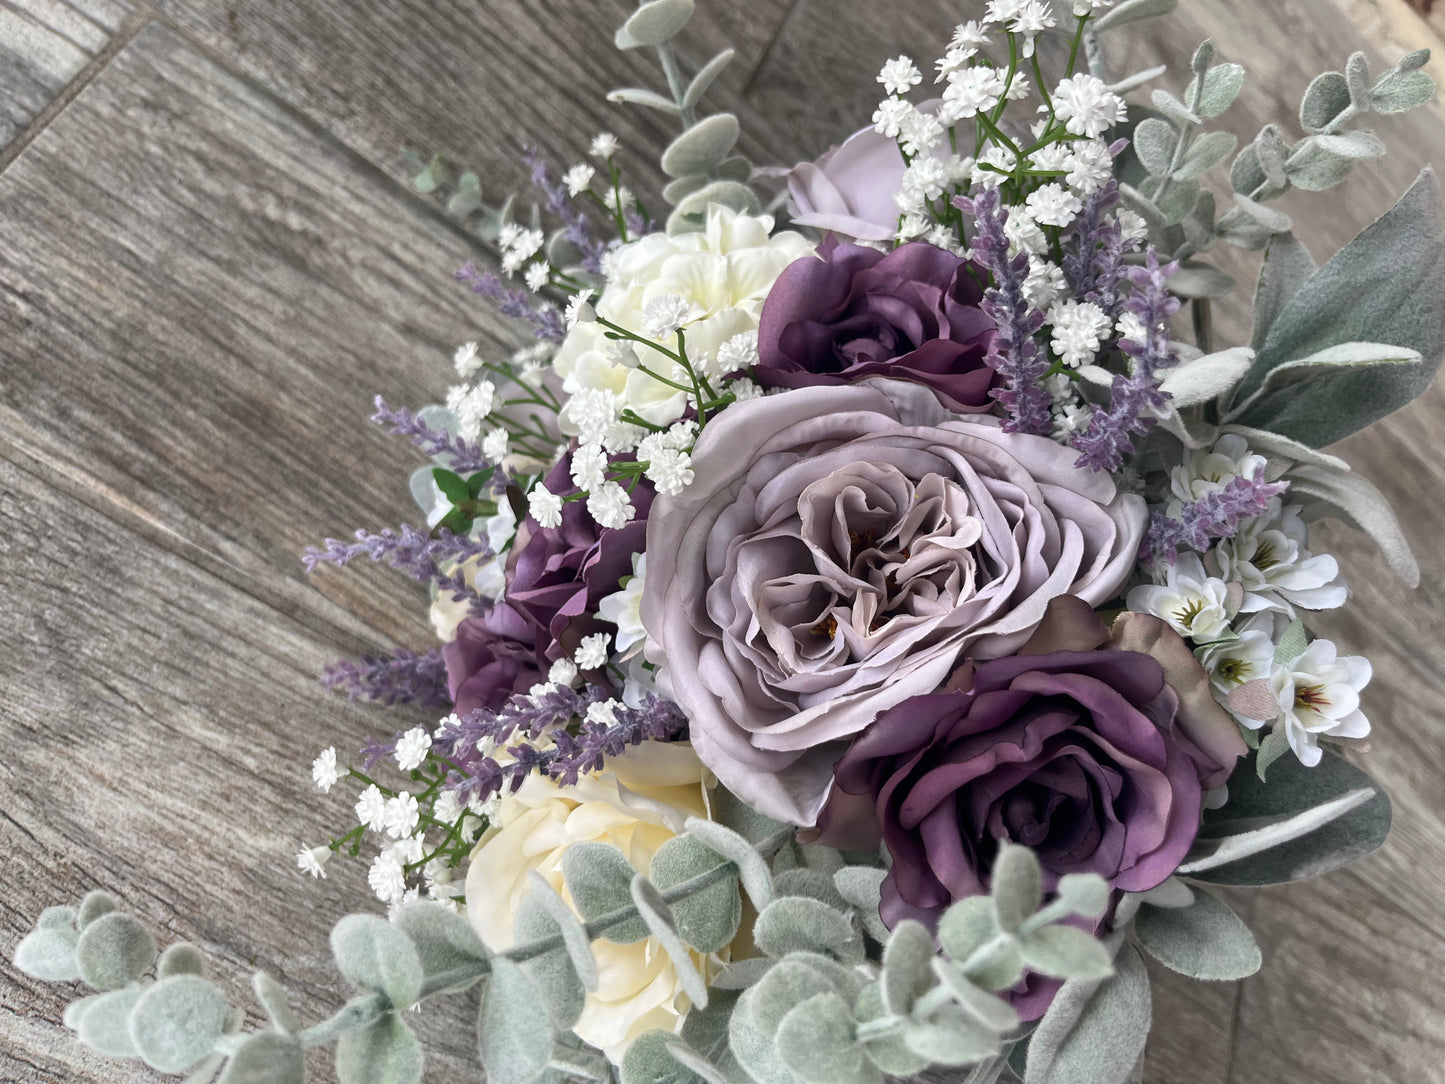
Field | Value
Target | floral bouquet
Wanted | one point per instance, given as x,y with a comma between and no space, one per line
872,621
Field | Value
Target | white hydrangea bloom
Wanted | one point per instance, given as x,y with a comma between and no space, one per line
1195,604
1270,557
1087,106
1319,693
900,75
324,772
411,748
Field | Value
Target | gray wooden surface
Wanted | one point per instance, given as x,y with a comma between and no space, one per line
211,262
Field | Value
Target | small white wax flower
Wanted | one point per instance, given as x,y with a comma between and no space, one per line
313,860
563,672
624,607
402,815
889,117
538,275
604,145
1237,662
1053,205
1087,106
545,507
1078,328
387,878
664,315
1269,555
899,75
324,772
579,310
610,506
1209,470
467,360
591,653
411,748
578,179
1195,604
1319,693
589,467
371,809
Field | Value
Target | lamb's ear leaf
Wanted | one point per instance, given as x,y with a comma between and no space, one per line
1094,1030
1342,494
1205,940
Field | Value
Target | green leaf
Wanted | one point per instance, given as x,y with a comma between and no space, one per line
1194,280
813,883
967,926
706,1030
1292,643
1086,894
515,1039
574,936
796,923
1325,99
384,1052
707,920
654,23
1222,85
1313,169
702,147
732,194
648,98
738,849
273,999
788,983
1132,11
1274,745
176,1022
1383,286
753,1049
1093,1030
56,918
1400,91
599,880
1154,143
1174,109
1287,266
1293,790
1357,75
77,1009
815,1040
182,958
861,887
705,77
1205,153
1063,952
552,972
266,1058
113,950
649,1061
48,954
1300,397
1205,940
660,920
1178,201
907,973
889,1052
105,1024
374,955
989,1009
432,177
453,486
1361,144
1204,379
1335,492
950,1036
445,944
1017,886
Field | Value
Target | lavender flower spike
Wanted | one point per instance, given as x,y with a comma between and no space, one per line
517,304
577,232
461,456
1135,398
1013,353
404,677
411,551
1216,515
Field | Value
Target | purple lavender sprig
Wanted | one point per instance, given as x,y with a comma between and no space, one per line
1013,352
1135,397
577,231
463,456
1093,262
408,549
403,677
1215,515
544,318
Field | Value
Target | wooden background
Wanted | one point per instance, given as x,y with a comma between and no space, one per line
211,261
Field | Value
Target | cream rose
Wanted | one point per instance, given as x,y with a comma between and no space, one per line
636,805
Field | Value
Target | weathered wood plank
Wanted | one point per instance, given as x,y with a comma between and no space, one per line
44,44
200,297
157,727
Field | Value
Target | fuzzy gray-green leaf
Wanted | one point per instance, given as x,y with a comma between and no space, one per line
48,953
1017,886
1287,266
787,983
1205,153
989,1009
1205,940
796,923
889,1052
702,147
553,973
1063,952
707,920
105,1025
861,887
1325,99
1093,1030
654,23
384,1052
114,950
815,1040
732,194
181,958
705,77
266,1058
1194,280
753,1049
906,971
1222,84
1313,169
950,1036
445,943
650,99
663,925
966,926
1154,143
1133,10
599,880
95,904
514,1038
1330,492
273,999
738,849
1401,91
176,1022
374,955
649,1061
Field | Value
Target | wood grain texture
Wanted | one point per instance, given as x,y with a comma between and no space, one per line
44,44
201,297
157,728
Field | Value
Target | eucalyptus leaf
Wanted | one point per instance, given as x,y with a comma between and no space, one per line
1178,201
733,813
739,850
181,958
177,1021
1017,886
375,955
654,23
705,77
1294,790
77,1009
277,1005
1331,492
105,1025
861,886
1154,143
386,1051
1222,84
114,950
649,1061
1137,80
907,972
648,98
1093,1030
815,1040
1205,940
1400,91
266,1058
57,918
950,1036
445,944
735,168
48,953
813,883
1358,144
732,194
599,880
754,1050
1063,952
553,973
706,1030
1086,894
1325,99
702,147
574,935
967,926
1132,11
678,189
1205,153
514,1038
1287,266
704,1069
1174,109
707,920
1314,169
1357,76
660,920
889,1052
988,1009
795,923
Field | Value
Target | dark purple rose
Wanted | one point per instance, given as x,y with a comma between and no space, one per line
1091,758
856,313
491,658
556,576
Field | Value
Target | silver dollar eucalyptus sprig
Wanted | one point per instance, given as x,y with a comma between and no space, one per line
700,162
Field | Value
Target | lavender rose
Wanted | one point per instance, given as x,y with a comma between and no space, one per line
1095,758
856,313
491,658
840,549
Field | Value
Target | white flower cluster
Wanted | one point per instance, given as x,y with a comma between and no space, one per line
1239,601
520,245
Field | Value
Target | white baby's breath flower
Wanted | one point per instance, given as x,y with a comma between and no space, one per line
1024,232
670,471
591,653
1087,106
1088,7
494,445
527,244
411,748
1053,205
313,860
1044,284
592,411
664,315
589,467
604,145
970,92
402,815
467,361
911,226
1089,165
1019,89
446,808
900,75
1132,226
997,157
578,179
324,772
610,506
1078,328
579,309
537,276
738,353
1319,693
1132,328
620,200
473,406
387,877
1195,604
1052,158
921,133
371,809
926,178
563,672
545,507
969,35
889,117
604,712
954,60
